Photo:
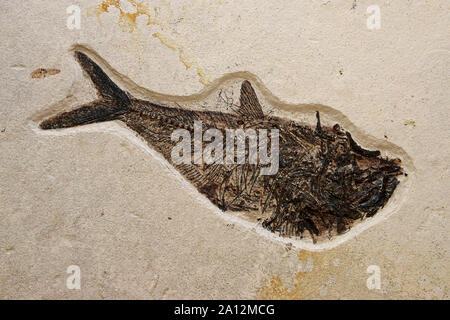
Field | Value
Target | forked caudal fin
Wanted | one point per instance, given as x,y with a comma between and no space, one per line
112,101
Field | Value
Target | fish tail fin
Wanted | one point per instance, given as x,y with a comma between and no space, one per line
112,101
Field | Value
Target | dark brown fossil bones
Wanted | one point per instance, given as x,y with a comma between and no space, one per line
325,182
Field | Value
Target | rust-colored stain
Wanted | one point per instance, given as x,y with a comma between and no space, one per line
329,274
187,64
410,123
273,287
202,77
341,273
127,20
182,57
43,73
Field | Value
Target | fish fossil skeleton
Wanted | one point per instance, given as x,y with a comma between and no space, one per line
325,182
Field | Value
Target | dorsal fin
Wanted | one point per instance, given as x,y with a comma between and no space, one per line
250,107
318,126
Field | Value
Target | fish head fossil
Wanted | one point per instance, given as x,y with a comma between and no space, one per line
327,182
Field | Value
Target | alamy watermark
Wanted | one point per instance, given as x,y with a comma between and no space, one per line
73,281
374,281
74,18
374,19
235,147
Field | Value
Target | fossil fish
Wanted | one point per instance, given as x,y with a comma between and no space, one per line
325,182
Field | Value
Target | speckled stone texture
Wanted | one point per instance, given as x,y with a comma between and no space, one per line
100,202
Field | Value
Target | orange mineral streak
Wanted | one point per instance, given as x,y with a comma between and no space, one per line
334,274
127,20
182,57
273,288
170,45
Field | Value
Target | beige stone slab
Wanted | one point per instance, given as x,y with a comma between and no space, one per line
99,201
